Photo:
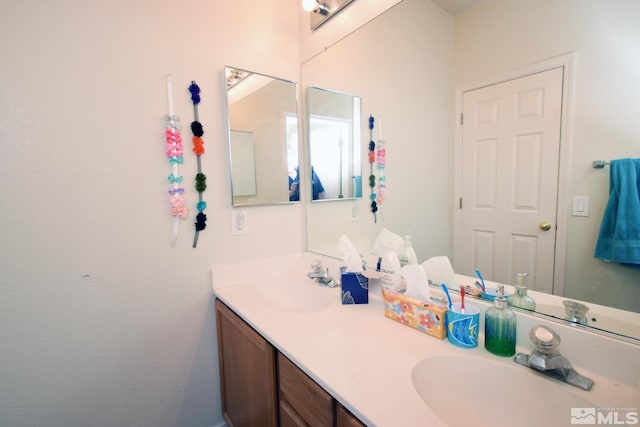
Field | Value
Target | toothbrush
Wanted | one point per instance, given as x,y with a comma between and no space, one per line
462,299
479,276
446,292
479,286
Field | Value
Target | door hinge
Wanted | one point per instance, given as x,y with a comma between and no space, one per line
461,119
460,203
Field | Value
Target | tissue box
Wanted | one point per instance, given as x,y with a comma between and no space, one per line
429,318
355,288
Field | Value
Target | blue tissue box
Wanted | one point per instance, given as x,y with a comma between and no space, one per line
355,288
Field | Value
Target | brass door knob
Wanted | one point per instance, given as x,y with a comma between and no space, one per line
545,226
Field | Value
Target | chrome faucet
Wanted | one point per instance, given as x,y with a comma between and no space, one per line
547,359
575,312
321,275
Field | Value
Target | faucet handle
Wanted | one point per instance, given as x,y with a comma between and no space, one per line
545,339
575,311
316,265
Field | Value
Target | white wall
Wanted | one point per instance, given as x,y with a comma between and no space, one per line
502,35
102,322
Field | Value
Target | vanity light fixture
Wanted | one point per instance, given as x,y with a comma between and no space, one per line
323,10
235,76
315,6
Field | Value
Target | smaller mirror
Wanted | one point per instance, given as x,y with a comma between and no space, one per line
263,137
333,121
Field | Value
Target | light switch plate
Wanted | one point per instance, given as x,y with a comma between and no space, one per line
580,206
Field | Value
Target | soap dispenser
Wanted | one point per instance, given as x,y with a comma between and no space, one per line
500,327
390,268
408,257
520,298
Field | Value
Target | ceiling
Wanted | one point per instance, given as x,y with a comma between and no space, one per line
454,7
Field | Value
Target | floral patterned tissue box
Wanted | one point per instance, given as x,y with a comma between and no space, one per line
429,318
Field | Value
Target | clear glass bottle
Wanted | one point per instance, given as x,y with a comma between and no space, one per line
500,327
408,255
520,298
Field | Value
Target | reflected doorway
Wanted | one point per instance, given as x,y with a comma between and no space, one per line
511,134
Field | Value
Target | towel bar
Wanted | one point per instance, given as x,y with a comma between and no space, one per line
599,164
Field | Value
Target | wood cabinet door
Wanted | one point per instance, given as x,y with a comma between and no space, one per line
247,373
345,418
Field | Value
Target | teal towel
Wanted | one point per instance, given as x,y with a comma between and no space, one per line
619,238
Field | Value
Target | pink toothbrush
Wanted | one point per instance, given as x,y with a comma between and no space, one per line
462,299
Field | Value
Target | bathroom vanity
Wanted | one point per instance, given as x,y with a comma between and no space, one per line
257,381
292,354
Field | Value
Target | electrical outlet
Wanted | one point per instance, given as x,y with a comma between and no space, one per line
238,222
354,210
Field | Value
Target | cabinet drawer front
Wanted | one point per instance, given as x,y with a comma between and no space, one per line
307,398
289,417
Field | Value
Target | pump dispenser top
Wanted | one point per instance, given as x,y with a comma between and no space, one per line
520,298
408,257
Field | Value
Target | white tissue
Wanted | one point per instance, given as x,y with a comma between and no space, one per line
417,283
350,255
439,270
385,237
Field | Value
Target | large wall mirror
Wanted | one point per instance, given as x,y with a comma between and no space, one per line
333,123
263,137
429,54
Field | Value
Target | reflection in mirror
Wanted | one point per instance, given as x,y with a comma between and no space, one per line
243,164
263,137
477,45
334,144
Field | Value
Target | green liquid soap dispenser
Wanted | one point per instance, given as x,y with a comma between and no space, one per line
520,298
500,327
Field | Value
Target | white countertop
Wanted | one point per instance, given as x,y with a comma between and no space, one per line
360,357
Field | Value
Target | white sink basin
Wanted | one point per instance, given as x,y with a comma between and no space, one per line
296,295
474,391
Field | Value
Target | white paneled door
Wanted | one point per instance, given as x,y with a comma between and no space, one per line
510,155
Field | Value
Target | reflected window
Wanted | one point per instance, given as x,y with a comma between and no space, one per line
330,149
334,145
